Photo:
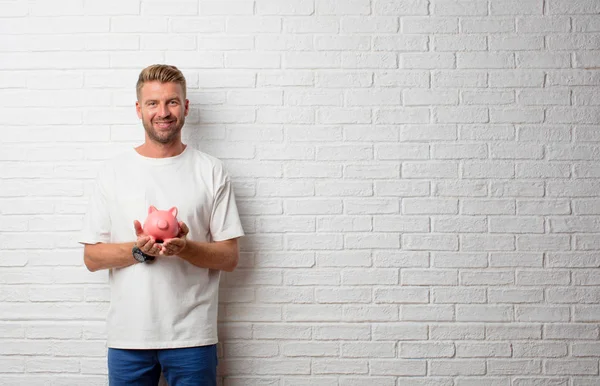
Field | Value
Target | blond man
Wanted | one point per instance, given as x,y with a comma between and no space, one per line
163,304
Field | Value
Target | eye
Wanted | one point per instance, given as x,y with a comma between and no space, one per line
174,102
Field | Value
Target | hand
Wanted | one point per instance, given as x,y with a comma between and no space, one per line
174,246
145,243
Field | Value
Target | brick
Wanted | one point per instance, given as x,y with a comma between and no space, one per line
459,8
342,331
571,367
422,313
487,97
429,25
540,349
549,60
403,78
457,331
376,24
450,295
370,313
400,43
483,350
481,313
401,295
341,43
426,97
478,60
398,367
513,331
570,331
514,366
320,24
487,25
239,24
350,295
312,349
377,60
295,7
214,8
543,24
457,367
427,60
403,331
336,7
578,7
541,314
426,350
402,8
368,350
516,43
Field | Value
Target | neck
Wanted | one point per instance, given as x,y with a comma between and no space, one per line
159,150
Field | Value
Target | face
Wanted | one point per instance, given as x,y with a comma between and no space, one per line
162,109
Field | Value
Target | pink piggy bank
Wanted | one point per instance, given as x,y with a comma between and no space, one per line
161,224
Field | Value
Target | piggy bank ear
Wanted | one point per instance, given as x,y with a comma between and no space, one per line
173,211
152,209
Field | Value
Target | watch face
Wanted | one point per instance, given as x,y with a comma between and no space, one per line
139,256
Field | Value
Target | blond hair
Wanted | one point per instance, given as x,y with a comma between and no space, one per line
162,73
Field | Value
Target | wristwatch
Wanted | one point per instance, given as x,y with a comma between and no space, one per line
141,256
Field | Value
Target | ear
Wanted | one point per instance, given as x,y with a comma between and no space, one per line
186,107
152,209
138,109
173,211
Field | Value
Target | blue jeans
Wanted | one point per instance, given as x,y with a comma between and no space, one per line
190,366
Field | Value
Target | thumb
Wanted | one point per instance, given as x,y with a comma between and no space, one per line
138,228
184,230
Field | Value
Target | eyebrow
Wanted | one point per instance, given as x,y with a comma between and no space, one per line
174,98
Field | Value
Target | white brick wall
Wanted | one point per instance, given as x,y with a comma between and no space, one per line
418,180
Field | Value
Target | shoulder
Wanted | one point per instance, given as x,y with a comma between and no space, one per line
207,161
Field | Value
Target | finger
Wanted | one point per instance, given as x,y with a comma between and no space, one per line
165,252
184,230
155,250
147,245
138,228
172,246
141,241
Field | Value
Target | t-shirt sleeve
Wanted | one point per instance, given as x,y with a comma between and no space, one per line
96,223
225,221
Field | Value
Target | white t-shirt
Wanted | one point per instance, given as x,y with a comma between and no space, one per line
169,303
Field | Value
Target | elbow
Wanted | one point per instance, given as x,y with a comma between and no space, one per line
89,264
232,263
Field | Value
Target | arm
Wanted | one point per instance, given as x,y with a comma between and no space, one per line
221,255
105,256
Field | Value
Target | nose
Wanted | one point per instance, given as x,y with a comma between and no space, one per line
163,111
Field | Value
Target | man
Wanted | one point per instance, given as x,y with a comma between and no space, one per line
163,307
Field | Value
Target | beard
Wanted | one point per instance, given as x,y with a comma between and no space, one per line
163,136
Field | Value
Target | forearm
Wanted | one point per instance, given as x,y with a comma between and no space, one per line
104,256
220,255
